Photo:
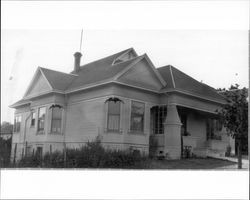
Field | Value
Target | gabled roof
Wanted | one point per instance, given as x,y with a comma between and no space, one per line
179,81
100,71
106,70
58,80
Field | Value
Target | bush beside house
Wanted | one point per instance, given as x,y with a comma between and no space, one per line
93,155
5,143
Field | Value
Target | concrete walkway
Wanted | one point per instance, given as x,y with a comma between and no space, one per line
245,162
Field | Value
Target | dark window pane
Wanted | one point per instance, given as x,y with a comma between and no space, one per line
33,118
137,116
56,119
17,124
114,115
137,108
41,118
114,107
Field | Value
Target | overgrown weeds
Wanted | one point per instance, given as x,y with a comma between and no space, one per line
92,155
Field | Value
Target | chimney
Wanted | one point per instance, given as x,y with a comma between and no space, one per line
77,56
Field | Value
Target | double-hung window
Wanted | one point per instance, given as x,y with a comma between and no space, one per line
114,110
137,116
17,124
41,118
33,118
56,122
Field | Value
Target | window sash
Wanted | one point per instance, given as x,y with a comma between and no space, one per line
41,124
137,123
114,112
17,124
56,125
56,121
33,119
137,116
158,115
114,107
113,122
41,118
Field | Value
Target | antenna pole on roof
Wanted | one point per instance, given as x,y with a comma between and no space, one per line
81,41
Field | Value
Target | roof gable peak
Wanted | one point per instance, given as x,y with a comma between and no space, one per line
127,55
38,73
109,58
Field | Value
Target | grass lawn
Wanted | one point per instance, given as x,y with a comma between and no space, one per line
192,163
183,164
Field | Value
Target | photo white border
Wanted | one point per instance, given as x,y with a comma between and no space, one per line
120,184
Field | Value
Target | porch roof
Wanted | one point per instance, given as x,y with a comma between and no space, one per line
186,110
181,82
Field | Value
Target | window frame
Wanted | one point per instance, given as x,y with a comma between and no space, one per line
15,124
33,112
61,121
158,116
38,120
119,115
141,115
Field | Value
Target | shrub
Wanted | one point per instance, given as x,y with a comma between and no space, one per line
92,155
53,160
5,150
30,161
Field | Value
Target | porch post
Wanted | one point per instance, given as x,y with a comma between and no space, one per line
172,133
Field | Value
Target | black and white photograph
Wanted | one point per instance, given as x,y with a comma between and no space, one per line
85,98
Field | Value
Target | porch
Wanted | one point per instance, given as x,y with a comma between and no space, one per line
179,132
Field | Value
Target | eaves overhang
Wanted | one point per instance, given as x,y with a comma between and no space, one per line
17,104
191,94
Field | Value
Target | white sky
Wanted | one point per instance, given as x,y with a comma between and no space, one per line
213,55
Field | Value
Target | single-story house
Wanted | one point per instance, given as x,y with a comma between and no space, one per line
126,102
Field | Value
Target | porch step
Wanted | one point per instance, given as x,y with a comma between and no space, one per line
205,152
200,152
215,153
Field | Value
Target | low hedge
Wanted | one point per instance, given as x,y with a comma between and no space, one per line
92,155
